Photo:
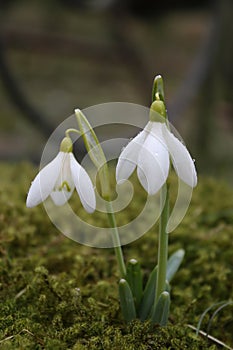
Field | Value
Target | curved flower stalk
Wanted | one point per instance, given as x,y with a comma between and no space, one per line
150,151
59,178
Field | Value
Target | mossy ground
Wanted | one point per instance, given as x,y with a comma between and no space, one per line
58,294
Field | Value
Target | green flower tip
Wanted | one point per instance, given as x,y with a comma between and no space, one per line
158,91
66,145
158,111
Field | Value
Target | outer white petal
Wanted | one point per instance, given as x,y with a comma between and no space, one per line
64,185
44,182
153,161
128,158
83,185
181,159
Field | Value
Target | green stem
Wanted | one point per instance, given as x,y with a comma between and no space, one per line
68,131
163,243
116,239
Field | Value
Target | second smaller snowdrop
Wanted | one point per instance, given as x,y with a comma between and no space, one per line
59,178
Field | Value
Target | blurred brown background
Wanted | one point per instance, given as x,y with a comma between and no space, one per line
57,55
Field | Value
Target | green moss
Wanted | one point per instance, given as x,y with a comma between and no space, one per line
58,294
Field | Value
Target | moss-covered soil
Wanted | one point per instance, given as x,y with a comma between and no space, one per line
58,294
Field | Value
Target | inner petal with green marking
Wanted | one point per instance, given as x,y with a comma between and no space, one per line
64,185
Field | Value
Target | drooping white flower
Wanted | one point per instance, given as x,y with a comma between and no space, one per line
150,152
59,178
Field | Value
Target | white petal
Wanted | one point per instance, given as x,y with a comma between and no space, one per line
44,182
127,160
153,161
64,185
61,197
181,159
83,185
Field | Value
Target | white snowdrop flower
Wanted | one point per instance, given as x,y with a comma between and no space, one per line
150,151
59,178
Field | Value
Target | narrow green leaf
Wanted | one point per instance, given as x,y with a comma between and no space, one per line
148,296
91,141
134,278
174,263
126,301
161,310
95,152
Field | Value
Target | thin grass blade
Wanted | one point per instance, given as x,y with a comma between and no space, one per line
215,313
205,313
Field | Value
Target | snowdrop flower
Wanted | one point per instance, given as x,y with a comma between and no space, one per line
150,152
59,178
